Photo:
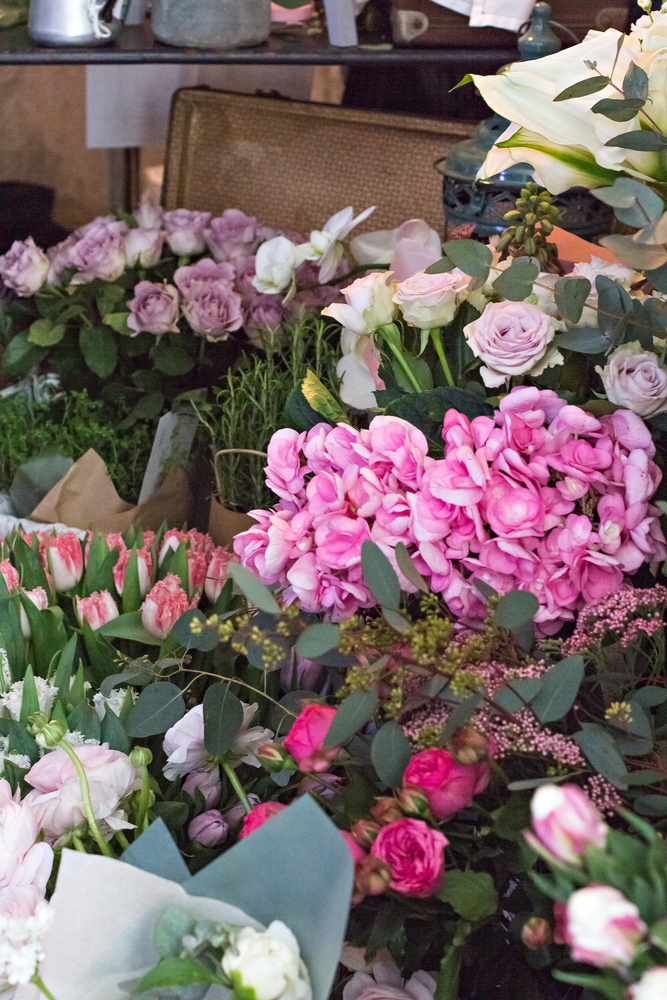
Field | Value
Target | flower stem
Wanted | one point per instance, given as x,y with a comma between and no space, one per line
122,839
237,786
42,988
144,800
78,846
87,804
439,350
404,365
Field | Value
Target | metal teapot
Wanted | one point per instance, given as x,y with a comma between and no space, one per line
75,22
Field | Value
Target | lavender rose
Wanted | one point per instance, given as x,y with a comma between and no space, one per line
428,301
232,235
24,267
143,246
635,379
191,275
99,253
512,338
213,309
154,308
185,230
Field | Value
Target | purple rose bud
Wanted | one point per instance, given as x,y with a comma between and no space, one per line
208,829
185,230
99,252
208,783
24,267
154,308
235,815
232,235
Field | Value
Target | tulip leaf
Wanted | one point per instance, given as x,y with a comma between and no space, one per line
643,140
85,720
255,591
10,628
64,669
29,700
598,747
590,85
391,751
516,608
46,333
77,690
128,626
408,568
570,295
321,400
618,110
206,639
515,283
352,713
113,732
223,718
99,566
379,576
48,634
99,349
469,256
470,894
635,83
317,639
30,569
158,708
558,690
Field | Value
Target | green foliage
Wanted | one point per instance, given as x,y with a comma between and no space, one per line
471,894
379,576
583,88
158,707
390,754
515,609
352,713
426,410
254,590
317,639
570,295
558,689
223,717
516,282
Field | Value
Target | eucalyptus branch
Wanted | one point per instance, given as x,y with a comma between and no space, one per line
619,90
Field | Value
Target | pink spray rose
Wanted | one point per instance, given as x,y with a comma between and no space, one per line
448,785
414,852
512,338
97,610
144,566
66,558
100,252
154,308
305,740
258,816
164,605
40,599
208,829
652,985
208,783
565,822
57,799
185,230
431,300
602,927
24,267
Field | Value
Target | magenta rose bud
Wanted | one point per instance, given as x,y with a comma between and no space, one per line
258,816
536,933
66,558
305,740
415,854
185,230
164,605
448,785
208,783
208,829
602,927
274,758
154,308
97,610
566,822
24,267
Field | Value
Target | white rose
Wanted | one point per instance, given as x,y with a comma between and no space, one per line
652,985
143,246
634,378
512,338
269,963
368,305
429,301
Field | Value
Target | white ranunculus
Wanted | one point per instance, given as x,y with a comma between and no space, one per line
368,305
652,985
635,379
269,963
275,264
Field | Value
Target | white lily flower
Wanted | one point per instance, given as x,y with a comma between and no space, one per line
275,264
325,244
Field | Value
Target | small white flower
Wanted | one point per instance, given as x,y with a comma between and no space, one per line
114,701
77,739
19,759
21,945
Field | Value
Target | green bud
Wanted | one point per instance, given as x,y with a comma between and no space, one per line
526,193
529,246
140,757
47,733
547,227
530,219
521,204
504,241
512,216
520,234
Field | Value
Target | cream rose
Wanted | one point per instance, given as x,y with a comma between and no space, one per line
512,338
634,378
269,963
428,301
368,305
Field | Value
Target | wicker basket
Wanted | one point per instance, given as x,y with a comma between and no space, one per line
292,165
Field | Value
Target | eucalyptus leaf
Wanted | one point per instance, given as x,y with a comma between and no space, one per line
379,576
138,678
397,621
570,295
516,608
517,694
641,256
158,708
445,264
250,584
391,751
223,718
598,748
205,640
408,568
651,805
471,257
352,713
635,82
649,696
559,689
515,283
642,140
170,928
617,109
623,193
583,88
317,639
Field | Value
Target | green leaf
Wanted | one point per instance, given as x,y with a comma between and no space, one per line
529,783
441,266
177,972
10,629
33,480
170,928
516,282
585,340
99,350
129,626
113,732
559,688
99,566
590,85
641,256
138,678
173,814
466,79
641,139
149,407
461,714
206,640
298,413
651,805
471,257
64,669
158,708
408,568
649,696
320,399
46,333
471,894
30,699
516,608
634,204
318,639
77,690
84,719
645,778
20,355
419,369
380,577
255,591
618,110
396,620
352,713
223,717
570,295
598,747
48,634
172,359
28,565
517,693
20,741
635,82
426,410
623,193
391,751
118,322
131,596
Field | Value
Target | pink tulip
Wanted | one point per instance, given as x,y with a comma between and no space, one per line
64,553
565,822
305,740
97,610
651,986
40,599
144,567
602,927
164,605
216,572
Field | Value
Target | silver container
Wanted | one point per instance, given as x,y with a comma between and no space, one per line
71,22
212,24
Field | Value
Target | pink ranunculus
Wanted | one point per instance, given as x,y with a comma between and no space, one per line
566,822
428,301
597,575
40,599
99,253
339,541
143,247
317,588
305,740
512,338
651,986
208,783
184,745
24,267
217,572
529,401
414,852
185,230
66,558
461,477
232,235
602,927
398,445
57,797
191,276
9,575
154,308
24,865
213,310
164,605
513,511
97,610
144,566
258,816
284,473
448,785
208,829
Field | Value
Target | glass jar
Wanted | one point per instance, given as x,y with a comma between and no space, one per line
212,24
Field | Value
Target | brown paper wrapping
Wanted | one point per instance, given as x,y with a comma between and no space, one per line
224,524
86,498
